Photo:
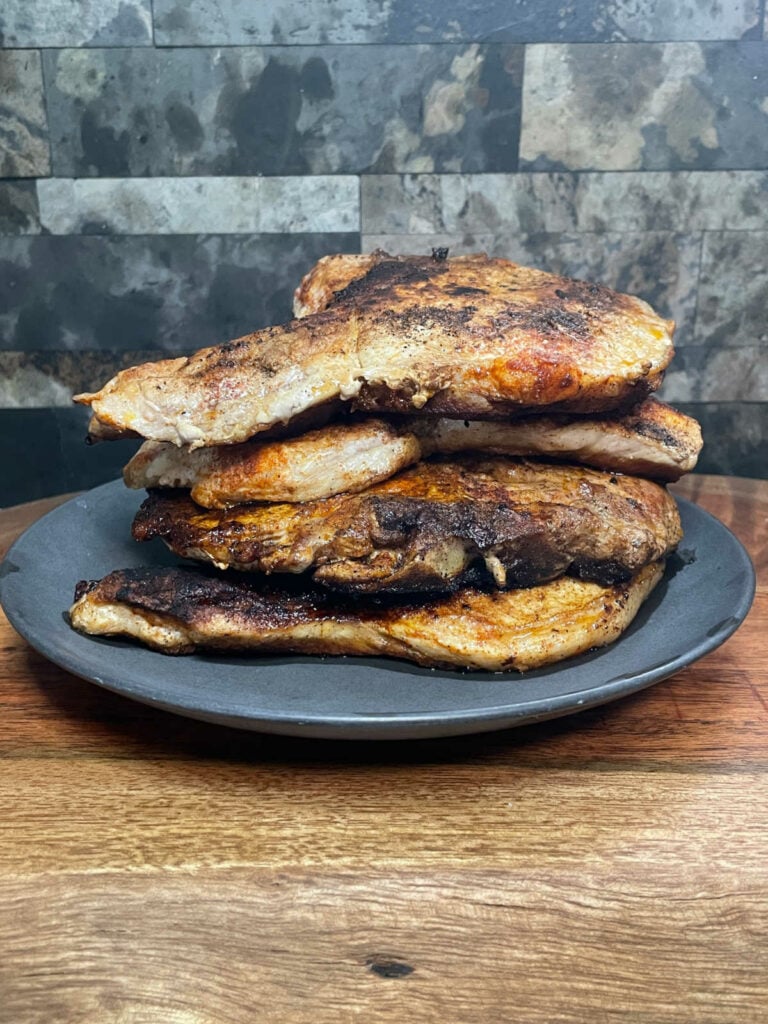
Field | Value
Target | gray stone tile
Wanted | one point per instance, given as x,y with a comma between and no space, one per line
733,291
735,437
567,201
422,245
283,110
175,293
645,106
168,206
243,22
36,379
403,204
56,458
684,19
702,374
660,267
19,214
63,23
23,127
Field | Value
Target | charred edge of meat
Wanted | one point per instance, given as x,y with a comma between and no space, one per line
183,591
609,573
408,525
233,355
593,297
84,587
380,399
386,275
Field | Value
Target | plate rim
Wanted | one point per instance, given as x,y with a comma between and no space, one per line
391,725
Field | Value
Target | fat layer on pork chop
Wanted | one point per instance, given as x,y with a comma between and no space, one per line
178,611
526,522
654,440
470,337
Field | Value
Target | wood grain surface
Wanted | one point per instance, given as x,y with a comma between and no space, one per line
608,866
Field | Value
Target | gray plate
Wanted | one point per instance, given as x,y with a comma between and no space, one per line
706,593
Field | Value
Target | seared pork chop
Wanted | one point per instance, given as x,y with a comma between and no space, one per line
654,440
468,338
340,457
421,530
178,611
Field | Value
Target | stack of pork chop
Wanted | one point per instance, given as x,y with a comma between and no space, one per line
456,461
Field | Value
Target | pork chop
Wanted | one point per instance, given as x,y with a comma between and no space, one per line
655,440
468,338
422,530
178,611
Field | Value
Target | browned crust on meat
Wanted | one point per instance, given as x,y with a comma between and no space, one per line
421,530
471,337
178,611
330,275
654,441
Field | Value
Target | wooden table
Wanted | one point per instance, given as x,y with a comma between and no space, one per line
608,866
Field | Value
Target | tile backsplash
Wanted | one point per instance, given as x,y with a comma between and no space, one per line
169,170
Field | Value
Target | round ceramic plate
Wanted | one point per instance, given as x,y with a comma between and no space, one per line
705,594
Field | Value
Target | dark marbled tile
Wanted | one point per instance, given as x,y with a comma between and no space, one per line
63,23
660,267
187,206
717,374
534,202
174,292
581,21
19,213
732,309
35,379
735,437
404,204
23,126
645,106
284,110
44,453
242,22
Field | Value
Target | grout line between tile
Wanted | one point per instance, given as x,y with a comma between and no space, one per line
152,21
360,209
393,44
44,82
695,318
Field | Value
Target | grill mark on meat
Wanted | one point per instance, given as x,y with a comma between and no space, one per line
657,433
